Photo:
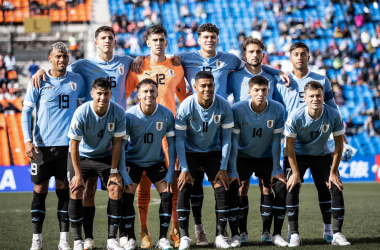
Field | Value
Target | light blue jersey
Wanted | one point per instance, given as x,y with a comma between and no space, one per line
115,70
238,84
94,132
292,96
256,130
56,102
312,135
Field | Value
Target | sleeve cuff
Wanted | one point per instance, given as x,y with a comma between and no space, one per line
27,140
120,134
125,137
179,127
236,131
170,134
29,104
74,137
278,130
341,132
228,125
291,135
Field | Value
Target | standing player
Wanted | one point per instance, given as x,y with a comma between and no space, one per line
115,69
256,147
95,125
198,122
147,124
292,98
56,102
307,131
171,82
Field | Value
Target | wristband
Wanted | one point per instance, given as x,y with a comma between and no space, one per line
113,171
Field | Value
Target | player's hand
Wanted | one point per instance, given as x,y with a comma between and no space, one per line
293,181
116,178
285,78
169,187
176,61
223,177
76,183
280,177
137,65
36,78
129,188
184,177
29,148
335,178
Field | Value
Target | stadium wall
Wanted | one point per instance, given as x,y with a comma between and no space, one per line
359,169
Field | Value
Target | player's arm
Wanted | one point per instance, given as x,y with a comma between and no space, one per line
131,83
284,77
77,181
329,96
122,167
232,172
277,172
181,88
170,138
338,133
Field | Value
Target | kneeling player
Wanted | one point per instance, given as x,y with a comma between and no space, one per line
307,130
256,145
147,124
95,125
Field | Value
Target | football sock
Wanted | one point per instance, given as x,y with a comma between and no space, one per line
337,207
266,207
233,207
128,215
292,203
76,217
221,195
324,198
243,213
327,229
279,207
88,221
165,213
197,198
183,209
63,209
114,217
143,199
38,211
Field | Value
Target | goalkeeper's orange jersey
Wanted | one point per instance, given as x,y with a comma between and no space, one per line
170,81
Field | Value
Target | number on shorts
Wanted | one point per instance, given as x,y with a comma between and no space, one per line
33,169
128,169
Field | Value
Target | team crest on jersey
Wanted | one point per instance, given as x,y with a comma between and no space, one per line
159,126
219,64
121,69
73,86
269,123
171,72
111,126
217,118
325,127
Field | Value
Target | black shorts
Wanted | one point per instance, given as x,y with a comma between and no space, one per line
50,161
210,161
319,166
92,167
155,173
262,167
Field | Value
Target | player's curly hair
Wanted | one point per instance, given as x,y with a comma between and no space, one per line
102,83
250,41
208,27
259,80
104,29
156,29
313,85
299,45
146,81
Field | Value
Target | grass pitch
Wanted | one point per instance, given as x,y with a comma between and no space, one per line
361,225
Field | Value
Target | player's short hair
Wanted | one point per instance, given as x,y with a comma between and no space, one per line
250,41
102,83
156,29
146,81
258,80
313,85
299,45
104,29
59,46
208,27
204,75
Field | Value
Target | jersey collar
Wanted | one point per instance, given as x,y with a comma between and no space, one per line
295,78
250,107
100,60
139,108
50,76
196,101
216,53
307,113
93,111
253,74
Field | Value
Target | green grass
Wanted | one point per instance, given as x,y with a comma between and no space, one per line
361,226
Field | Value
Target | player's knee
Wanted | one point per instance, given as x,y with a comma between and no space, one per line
77,194
115,191
243,190
89,192
41,188
266,190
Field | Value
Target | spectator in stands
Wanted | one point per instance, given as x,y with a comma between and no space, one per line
134,45
330,12
200,12
147,11
343,78
364,37
4,88
346,32
338,94
317,24
359,20
337,33
10,62
73,42
350,13
116,27
3,76
190,40
1,62
181,41
184,11
369,126
351,129
256,24
132,27
7,5
33,67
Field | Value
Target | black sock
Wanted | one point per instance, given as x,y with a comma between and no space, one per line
266,207
279,207
234,208
324,198
165,213
197,198
63,209
128,215
114,217
88,221
337,208
292,203
243,213
76,217
38,211
221,195
183,209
